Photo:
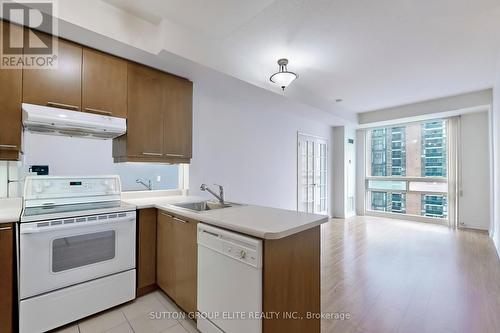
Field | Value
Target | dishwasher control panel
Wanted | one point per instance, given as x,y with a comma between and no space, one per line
245,254
242,248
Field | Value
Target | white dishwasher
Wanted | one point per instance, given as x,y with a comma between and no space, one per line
229,281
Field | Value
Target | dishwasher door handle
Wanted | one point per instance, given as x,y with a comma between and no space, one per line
211,233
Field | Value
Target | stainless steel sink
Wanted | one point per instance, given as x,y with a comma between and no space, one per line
204,205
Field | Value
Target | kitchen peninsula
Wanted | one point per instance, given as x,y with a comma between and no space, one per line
290,260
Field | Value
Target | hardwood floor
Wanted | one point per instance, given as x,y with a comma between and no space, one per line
400,276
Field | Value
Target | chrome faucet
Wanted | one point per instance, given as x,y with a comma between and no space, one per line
219,197
149,186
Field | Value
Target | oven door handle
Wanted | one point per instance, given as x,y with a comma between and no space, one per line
76,225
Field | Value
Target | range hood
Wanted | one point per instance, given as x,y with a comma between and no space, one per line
56,121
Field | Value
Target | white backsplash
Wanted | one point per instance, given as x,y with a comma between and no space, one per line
10,182
79,156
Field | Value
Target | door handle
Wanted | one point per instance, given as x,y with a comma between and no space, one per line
174,218
174,155
98,111
8,146
64,106
211,233
179,220
5,228
151,154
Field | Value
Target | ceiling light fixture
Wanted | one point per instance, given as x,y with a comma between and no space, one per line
283,77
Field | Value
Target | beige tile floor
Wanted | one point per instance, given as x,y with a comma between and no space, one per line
134,317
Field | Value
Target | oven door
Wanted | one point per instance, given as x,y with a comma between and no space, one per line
57,254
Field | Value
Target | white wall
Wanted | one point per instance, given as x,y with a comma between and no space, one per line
344,172
338,172
350,172
427,109
495,229
3,179
360,171
79,156
474,204
245,138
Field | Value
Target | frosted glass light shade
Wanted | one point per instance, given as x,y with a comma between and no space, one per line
283,79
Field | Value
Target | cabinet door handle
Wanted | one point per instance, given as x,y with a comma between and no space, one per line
165,214
8,146
98,111
5,228
174,218
174,155
151,154
179,220
64,106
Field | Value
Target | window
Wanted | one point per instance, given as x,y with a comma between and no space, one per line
407,169
162,176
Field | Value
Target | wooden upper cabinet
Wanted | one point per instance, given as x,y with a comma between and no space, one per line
178,117
159,118
61,87
104,84
144,138
10,104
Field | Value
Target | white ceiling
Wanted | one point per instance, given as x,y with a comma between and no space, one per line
370,53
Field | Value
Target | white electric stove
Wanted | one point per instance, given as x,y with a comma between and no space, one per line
76,250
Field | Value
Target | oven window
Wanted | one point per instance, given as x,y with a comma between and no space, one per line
77,251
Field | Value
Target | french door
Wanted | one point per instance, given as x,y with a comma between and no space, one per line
312,174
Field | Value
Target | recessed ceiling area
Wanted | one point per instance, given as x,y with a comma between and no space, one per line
370,54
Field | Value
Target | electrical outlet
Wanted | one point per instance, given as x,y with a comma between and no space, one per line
158,179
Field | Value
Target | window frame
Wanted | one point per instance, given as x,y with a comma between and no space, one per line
367,191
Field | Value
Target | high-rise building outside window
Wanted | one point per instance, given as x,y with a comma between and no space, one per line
407,170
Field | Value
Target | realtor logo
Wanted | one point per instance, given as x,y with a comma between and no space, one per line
28,47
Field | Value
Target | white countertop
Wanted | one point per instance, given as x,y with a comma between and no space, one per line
257,221
10,210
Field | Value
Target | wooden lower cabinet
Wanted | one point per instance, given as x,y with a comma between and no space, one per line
146,251
165,255
292,281
291,278
177,259
6,276
186,264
